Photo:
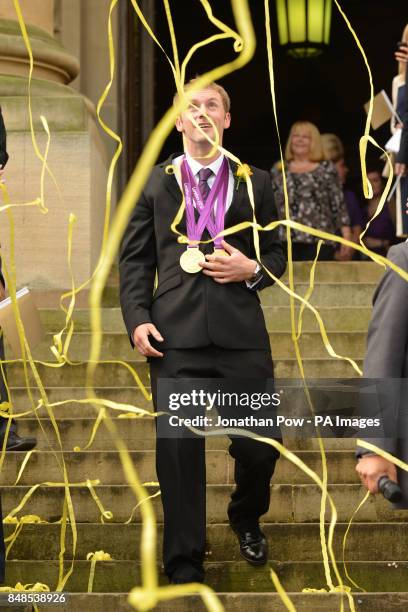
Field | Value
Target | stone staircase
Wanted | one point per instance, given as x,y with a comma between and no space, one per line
376,554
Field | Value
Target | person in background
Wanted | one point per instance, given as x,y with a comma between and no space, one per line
14,441
315,194
333,151
401,56
381,232
386,360
400,103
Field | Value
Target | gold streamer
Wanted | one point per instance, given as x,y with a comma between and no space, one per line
105,514
282,593
363,501
98,555
24,520
42,158
23,465
149,594
144,597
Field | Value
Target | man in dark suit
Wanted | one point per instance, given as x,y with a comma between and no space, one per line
14,441
402,155
387,359
207,324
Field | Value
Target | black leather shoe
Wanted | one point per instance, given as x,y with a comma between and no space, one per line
183,580
252,545
185,574
16,443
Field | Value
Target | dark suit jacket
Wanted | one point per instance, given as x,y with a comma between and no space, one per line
402,155
387,356
192,310
3,142
3,161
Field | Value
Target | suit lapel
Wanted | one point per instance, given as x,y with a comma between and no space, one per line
238,196
172,186
170,181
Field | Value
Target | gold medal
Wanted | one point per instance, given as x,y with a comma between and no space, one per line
190,259
220,253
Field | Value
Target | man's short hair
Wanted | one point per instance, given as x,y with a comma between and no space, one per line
216,87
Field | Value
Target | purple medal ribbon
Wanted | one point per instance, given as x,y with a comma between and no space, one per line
191,191
216,226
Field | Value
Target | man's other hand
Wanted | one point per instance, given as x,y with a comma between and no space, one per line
2,292
234,268
140,338
371,467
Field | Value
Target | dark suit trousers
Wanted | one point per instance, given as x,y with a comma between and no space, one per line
3,425
180,462
3,396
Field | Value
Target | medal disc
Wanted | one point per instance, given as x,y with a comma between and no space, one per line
190,259
220,253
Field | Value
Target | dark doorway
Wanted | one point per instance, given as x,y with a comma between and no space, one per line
329,90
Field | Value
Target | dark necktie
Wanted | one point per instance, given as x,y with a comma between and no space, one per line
203,175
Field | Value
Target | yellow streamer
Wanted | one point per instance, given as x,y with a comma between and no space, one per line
150,593
23,465
282,593
363,501
105,514
98,555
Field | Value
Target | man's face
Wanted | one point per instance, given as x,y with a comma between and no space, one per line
208,102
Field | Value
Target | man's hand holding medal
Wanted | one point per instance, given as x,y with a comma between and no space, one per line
233,268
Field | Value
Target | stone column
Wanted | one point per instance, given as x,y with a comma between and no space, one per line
77,156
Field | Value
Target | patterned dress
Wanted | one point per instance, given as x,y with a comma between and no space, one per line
316,199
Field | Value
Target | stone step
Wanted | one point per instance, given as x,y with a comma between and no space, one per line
115,345
335,319
66,404
346,294
106,466
289,503
138,434
337,272
232,576
242,602
277,319
324,294
116,374
324,271
287,542
71,395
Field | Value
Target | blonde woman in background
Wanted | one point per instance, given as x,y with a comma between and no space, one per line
333,150
314,191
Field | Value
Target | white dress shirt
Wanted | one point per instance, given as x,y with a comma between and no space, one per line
214,166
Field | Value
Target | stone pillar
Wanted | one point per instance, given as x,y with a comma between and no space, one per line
77,156
39,14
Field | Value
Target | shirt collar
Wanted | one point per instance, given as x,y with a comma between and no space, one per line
196,165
